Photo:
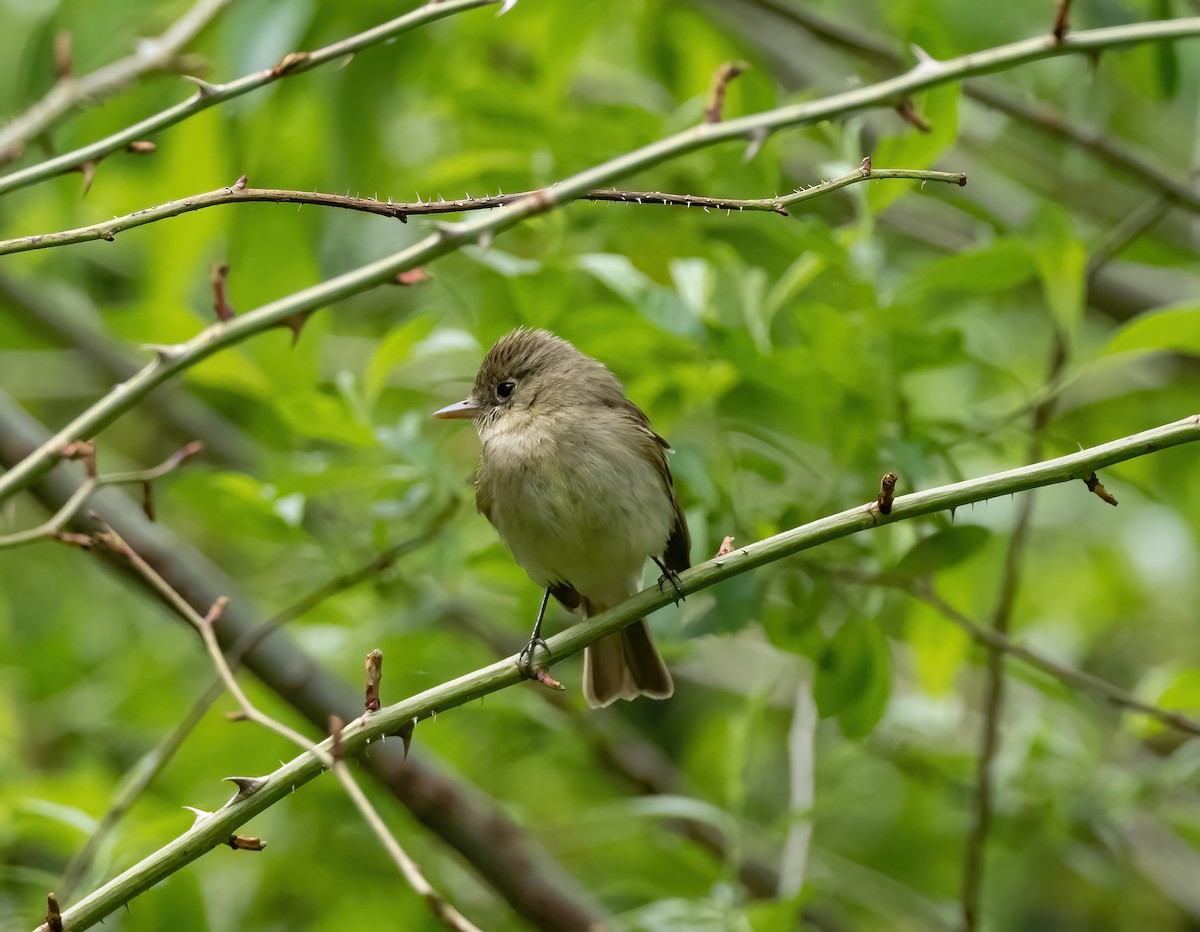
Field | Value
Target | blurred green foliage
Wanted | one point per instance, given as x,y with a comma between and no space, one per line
791,362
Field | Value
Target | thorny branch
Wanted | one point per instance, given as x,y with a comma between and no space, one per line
156,54
208,95
216,828
331,759
54,527
240,194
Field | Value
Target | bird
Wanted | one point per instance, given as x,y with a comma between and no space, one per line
576,483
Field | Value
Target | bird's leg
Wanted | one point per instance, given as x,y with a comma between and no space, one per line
525,658
668,576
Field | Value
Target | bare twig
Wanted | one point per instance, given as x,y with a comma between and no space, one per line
374,675
1010,578
1062,19
1096,487
887,493
1069,677
208,95
220,278
158,54
448,237
233,194
720,83
54,526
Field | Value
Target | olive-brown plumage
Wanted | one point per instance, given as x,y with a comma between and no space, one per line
576,482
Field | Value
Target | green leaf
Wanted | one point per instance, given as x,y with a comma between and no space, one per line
1000,266
943,549
662,306
396,347
1062,265
1166,59
915,149
1176,329
853,678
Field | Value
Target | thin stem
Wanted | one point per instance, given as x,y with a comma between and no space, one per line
215,828
450,237
330,761
109,229
210,95
61,518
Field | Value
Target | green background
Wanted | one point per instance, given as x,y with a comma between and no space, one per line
791,362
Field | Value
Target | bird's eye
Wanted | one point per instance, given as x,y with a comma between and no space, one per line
504,389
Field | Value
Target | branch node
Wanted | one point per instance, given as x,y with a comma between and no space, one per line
141,147
909,114
865,167
887,492
216,610
245,843
290,64
335,733
62,55
166,352
53,915
543,677
725,549
83,450
1096,487
1062,19
374,675
199,814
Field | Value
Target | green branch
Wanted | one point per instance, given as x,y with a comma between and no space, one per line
450,237
209,95
253,797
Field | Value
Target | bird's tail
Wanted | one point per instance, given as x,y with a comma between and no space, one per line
625,665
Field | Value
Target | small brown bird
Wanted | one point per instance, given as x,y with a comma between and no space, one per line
576,482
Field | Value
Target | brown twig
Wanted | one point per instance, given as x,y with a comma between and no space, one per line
86,450
374,669
720,84
1062,19
1096,487
53,914
158,54
887,492
220,277
233,194
981,820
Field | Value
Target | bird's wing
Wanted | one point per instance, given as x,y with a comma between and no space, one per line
677,555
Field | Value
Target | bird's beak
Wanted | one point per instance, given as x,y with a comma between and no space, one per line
460,409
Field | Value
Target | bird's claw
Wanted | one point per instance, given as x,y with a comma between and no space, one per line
528,652
670,576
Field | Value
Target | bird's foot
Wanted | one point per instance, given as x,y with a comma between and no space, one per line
528,652
669,576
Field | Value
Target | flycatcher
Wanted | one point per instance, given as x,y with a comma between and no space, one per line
576,482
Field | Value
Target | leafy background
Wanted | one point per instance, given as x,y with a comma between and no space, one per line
791,362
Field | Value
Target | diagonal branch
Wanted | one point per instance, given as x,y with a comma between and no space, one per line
451,237
151,55
1038,116
209,95
401,211
355,737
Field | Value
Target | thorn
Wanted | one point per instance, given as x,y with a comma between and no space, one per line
757,138
88,170
240,184
246,786
166,352
909,114
505,7
203,88
1062,24
141,147
405,733
485,240
200,814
